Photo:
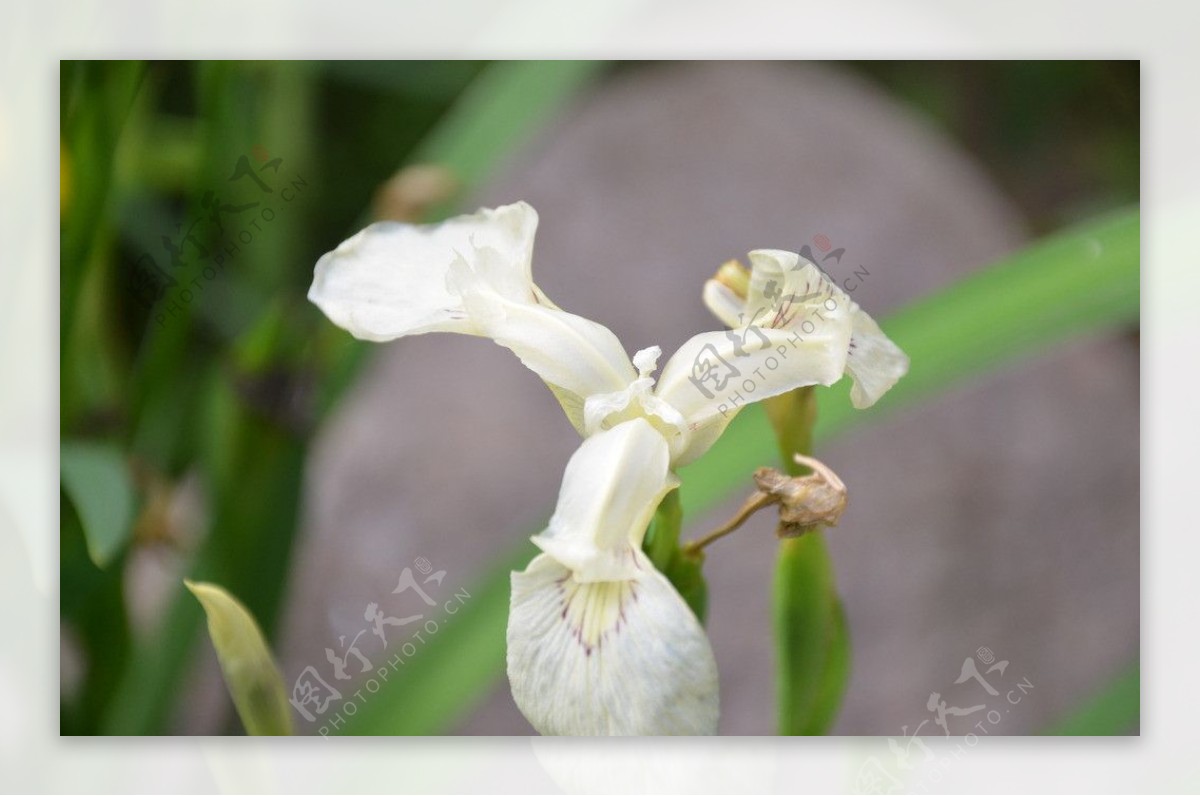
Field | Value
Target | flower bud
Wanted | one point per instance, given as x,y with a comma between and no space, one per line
735,276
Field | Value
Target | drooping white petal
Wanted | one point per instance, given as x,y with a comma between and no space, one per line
610,657
576,357
715,374
875,363
610,489
391,279
599,642
470,275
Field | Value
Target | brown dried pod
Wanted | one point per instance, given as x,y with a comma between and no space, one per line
807,501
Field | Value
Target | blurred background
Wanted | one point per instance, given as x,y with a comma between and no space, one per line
216,426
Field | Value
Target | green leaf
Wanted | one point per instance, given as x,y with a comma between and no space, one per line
661,546
687,576
1082,281
96,479
250,672
662,537
1114,711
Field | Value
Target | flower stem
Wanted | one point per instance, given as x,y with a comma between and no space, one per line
793,416
758,500
812,642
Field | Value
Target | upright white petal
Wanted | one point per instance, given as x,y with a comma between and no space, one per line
610,489
391,279
470,275
621,657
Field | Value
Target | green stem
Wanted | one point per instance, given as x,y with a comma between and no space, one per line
812,642
793,416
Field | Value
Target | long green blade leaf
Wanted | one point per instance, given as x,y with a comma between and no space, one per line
1113,711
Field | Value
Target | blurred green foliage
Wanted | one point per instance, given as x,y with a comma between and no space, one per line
191,362
196,199
1062,138
101,488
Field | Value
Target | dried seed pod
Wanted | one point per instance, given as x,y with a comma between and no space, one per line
806,501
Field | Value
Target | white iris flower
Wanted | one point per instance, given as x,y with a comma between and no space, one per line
599,642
